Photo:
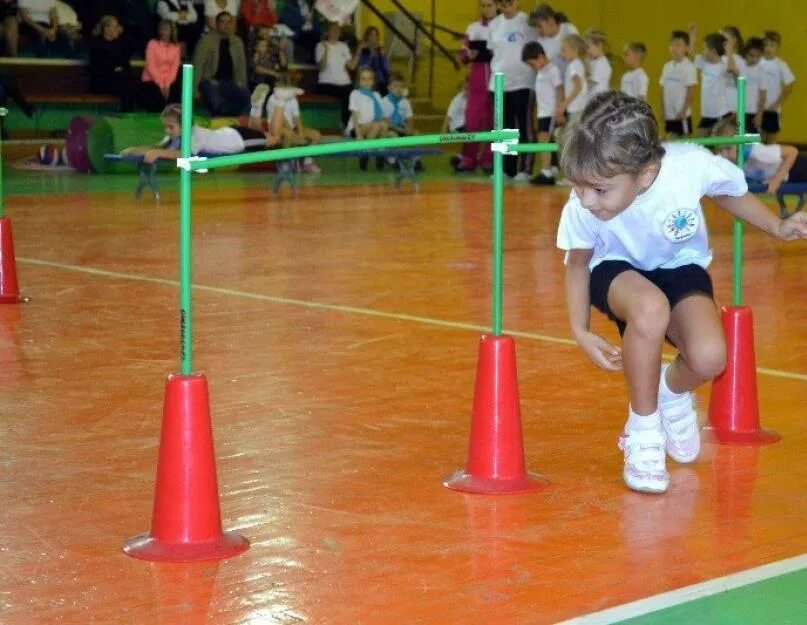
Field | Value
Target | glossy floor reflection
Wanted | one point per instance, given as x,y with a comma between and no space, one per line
334,331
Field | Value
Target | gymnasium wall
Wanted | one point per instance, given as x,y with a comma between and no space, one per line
647,21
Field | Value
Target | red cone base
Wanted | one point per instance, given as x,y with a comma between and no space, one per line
9,289
186,522
734,407
496,451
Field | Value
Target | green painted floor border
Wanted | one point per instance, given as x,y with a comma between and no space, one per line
774,594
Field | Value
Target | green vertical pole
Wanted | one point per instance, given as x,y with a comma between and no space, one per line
185,325
738,224
498,195
3,113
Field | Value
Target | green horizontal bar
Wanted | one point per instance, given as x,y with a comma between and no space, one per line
351,146
735,140
531,148
527,148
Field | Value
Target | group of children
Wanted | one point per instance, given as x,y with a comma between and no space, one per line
552,71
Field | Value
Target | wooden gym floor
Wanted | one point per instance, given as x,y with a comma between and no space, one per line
339,332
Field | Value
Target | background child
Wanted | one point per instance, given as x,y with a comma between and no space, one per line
227,140
397,108
599,67
366,113
507,34
293,131
779,85
714,82
756,89
678,80
772,163
267,63
735,64
548,93
552,26
575,78
646,269
635,81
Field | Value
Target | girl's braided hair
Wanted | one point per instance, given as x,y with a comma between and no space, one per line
616,134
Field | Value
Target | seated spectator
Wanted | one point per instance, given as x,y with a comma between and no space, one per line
299,16
110,70
371,55
39,21
257,13
294,131
334,60
214,7
268,60
11,29
161,78
397,109
182,14
221,69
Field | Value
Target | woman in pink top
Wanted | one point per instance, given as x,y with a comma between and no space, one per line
161,79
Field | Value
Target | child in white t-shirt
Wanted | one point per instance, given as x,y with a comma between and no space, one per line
294,131
575,79
715,80
367,113
548,93
772,164
397,109
755,87
635,81
678,79
779,82
599,68
552,26
637,249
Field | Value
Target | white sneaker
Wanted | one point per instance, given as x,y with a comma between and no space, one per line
521,176
645,469
680,422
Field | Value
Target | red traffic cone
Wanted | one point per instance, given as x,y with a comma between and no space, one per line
496,451
186,523
9,289
733,406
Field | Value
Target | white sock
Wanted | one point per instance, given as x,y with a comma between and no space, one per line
548,173
665,395
643,422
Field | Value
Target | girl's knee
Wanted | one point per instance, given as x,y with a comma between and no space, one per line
649,315
707,357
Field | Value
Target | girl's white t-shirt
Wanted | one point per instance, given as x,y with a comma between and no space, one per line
335,70
715,80
506,39
551,45
547,81
754,83
212,9
599,79
478,31
676,78
777,73
634,83
576,68
362,105
404,108
456,111
664,227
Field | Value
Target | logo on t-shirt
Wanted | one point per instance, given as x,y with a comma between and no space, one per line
681,225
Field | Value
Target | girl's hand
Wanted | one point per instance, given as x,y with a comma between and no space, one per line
774,184
794,227
600,351
151,156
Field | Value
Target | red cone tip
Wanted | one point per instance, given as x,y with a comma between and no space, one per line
9,289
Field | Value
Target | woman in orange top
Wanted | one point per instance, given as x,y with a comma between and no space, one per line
161,79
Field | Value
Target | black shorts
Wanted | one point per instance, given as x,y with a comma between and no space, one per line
770,121
798,173
676,284
544,124
254,140
750,126
680,127
708,123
